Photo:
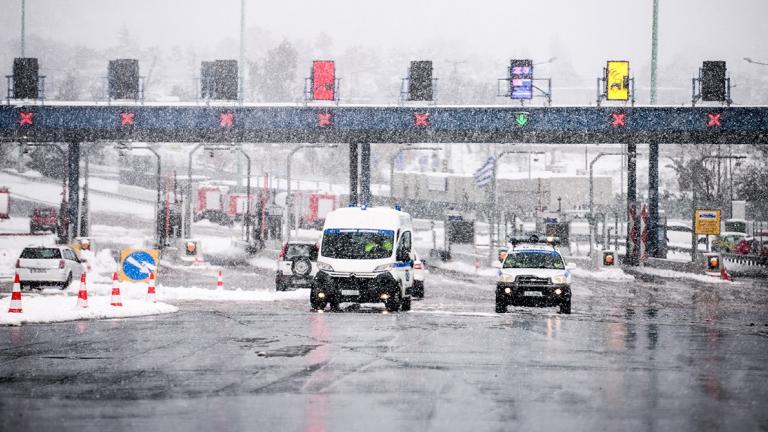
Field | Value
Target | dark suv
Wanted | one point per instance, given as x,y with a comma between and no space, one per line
43,219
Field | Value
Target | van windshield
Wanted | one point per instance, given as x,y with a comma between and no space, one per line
357,244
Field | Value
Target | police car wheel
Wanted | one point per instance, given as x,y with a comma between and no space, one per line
565,307
66,283
501,304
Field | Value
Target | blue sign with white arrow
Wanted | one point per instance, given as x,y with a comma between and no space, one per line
138,265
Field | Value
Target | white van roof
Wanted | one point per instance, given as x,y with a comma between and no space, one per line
373,218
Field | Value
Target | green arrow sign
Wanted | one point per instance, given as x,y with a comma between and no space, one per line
521,119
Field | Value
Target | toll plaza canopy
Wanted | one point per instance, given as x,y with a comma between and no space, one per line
61,122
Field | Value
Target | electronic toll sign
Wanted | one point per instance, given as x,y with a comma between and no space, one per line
521,79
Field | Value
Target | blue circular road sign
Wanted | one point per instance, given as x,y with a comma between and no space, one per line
137,265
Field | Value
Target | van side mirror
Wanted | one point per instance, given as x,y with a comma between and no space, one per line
402,256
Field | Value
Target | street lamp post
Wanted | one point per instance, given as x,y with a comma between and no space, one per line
158,174
188,203
694,183
392,164
749,60
592,225
288,198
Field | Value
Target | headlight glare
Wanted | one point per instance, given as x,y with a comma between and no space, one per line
559,280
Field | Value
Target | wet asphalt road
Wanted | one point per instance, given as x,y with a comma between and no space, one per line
644,355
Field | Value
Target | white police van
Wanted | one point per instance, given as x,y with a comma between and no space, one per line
366,256
533,273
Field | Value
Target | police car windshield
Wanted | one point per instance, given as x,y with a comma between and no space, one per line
534,259
357,244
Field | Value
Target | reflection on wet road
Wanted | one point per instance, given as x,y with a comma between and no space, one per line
633,356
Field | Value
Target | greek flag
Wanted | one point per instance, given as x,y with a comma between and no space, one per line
484,175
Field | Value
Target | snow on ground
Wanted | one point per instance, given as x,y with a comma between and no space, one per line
606,274
671,274
63,307
263,262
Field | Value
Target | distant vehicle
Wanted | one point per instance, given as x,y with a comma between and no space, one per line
679,235
727,241
55,265
313,208
419,273
209,197
43,219
735,225
366,256
296,265
752,246
215,216
534,273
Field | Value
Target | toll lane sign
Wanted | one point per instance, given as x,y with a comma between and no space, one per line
617,81
707,222
137,264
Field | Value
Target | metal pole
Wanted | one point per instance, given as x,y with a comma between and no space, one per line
633,234
492,215
188,204
248,197
653,199
241,61
288,198
353,163
392,173
73,160
654,50
23,28
694,169
365,174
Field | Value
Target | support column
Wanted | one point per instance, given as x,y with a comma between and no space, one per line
365,174
633,212
653,199
73,162
353,161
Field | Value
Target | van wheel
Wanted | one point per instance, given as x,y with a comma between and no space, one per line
393,303
418,289
66,283
565,307
405,306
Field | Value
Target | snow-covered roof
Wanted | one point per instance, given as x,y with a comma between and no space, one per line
367,218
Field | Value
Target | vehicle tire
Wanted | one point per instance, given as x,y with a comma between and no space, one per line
418,289
393,303
501,304
279,286
565,307
66,283
405,306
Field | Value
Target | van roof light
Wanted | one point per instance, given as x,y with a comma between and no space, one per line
398,207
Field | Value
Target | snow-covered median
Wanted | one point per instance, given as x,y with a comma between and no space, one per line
605,274
62,307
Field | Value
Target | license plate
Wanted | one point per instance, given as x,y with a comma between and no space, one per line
533,294
350,292
36,270
300,282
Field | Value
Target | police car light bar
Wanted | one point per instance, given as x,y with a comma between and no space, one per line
534,239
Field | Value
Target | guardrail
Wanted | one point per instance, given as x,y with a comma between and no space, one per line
755,260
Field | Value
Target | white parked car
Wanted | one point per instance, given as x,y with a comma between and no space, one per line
48,265
366,256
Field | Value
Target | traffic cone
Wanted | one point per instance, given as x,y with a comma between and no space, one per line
82,295
219,282
724,275
151,289
16,296
116,300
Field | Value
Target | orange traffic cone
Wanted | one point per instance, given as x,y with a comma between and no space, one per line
82,295
151,289
724,275
116,300
16,296
220,282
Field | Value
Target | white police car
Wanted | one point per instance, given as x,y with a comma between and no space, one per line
533,273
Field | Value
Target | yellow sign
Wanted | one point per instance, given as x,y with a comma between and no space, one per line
707,222
136,264
617,81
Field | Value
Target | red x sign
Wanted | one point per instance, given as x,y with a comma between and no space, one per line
618,119
714,120
324,119
25,118
127,118
421,119
226,119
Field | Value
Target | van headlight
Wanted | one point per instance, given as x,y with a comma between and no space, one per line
323,266
559,280
382,268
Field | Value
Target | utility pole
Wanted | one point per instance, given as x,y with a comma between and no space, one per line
654,50
241,66
23,28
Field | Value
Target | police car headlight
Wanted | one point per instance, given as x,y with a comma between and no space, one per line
559,280
382,268
323,266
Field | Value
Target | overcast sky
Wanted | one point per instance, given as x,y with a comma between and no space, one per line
589,32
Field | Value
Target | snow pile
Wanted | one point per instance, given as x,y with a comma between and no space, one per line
671,274
62,307
263,262
466,268
605,274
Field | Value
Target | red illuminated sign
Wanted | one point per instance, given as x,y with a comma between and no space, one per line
25,118
714,120
226,119
324,119
323,80
421,119
618,119
126,119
